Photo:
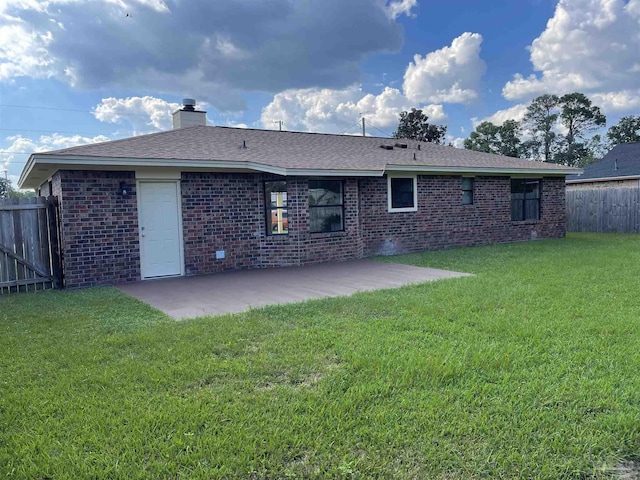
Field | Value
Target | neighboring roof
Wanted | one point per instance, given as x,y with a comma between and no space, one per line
285,153
622,162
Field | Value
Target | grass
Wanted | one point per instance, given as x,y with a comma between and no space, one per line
530,369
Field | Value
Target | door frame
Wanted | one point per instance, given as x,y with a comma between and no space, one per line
180,232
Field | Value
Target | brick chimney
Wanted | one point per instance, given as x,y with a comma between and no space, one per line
188,116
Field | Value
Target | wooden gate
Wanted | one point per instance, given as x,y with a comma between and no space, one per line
29,245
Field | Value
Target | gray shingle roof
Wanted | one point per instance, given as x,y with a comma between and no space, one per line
622,161
285,153
293,150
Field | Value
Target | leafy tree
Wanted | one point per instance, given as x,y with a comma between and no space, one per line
530,148
573,155
510,138
579,116
490,138
627,130
5,188
541,117
596,149
23,193
415,125
483,139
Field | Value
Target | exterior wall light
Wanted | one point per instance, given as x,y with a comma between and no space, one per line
124,189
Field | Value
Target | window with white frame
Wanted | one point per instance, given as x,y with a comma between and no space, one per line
402,193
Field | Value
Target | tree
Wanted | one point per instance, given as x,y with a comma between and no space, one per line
510,138
541,117
5,188
503,139
483,139
627,130
596,149
414,125
579,116
573,155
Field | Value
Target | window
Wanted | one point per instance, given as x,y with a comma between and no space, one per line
326,206
402,194
467,191
525,199
276,202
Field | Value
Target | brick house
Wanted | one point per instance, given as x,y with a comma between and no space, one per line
199,199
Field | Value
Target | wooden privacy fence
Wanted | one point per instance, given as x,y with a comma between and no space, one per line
29,245
606,210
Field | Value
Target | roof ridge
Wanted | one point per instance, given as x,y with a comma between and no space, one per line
117,140
312,133
165,132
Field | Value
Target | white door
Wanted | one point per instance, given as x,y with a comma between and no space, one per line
160,232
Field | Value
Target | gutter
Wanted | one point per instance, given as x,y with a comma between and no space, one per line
128,163
487,170
604,179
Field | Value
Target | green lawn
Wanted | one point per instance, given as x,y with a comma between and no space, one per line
530,369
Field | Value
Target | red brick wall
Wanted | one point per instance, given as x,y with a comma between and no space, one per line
284,250
442,221
225,211
99,228
302,247
220,211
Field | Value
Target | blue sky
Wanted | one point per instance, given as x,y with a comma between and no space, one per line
77,71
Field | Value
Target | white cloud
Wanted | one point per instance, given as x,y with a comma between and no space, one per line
588,46
339,111
614,102
226,47
449,75
395,8
457,142
18,146
231,123
23,52
516,112
55,141
144,114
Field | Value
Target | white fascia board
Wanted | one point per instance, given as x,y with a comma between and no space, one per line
485,170
26,170
604,179
132,163
154,162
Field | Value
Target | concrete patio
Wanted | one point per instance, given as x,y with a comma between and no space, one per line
230,292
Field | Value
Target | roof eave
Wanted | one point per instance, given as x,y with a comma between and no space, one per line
604,179
560,172
26,171
131,164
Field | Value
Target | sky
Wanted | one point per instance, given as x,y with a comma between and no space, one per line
80,71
